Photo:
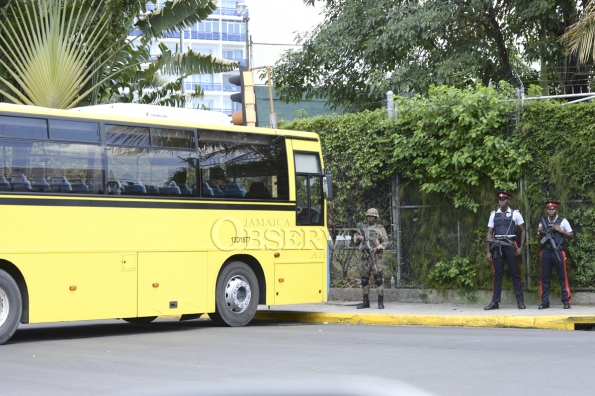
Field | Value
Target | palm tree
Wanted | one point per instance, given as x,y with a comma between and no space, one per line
580,37
68,53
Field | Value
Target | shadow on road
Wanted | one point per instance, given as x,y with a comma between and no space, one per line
94,329
109,328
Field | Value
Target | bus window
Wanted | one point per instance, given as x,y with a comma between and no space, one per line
75,131
152,171
23,128
127,135
309,191
175,138
244,165
42,166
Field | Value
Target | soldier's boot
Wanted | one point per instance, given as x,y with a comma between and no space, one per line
380,302
365,304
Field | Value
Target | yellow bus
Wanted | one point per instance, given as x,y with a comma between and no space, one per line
135,212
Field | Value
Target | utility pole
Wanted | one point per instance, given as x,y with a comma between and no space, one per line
242,9
272,115
181,52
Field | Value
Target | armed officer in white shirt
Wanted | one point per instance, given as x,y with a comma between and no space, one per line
554,229
503,246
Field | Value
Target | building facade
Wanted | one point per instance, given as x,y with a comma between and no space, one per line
222,35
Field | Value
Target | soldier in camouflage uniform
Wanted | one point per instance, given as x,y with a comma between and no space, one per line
378,242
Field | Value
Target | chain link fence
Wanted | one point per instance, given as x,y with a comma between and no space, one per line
431,233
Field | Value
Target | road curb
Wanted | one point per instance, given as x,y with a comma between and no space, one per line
559,322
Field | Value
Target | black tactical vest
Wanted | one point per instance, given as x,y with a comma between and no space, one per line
558,238
502,224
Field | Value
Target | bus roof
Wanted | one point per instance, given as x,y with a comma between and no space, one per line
160,112
150,114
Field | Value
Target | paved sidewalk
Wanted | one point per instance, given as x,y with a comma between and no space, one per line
472,315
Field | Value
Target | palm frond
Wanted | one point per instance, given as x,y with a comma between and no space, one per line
64,53
176,15
580,37
48,51
191,62
159,80
168,95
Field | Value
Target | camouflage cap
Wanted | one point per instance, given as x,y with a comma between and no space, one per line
372,212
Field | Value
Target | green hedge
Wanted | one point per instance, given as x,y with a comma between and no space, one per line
561,142
453,149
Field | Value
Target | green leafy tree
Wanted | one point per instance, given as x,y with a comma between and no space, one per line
456,140
365,48
538,26
67,53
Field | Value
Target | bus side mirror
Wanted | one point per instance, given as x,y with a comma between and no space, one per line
328,186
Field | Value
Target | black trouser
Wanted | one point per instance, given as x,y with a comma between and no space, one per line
549,260
514,266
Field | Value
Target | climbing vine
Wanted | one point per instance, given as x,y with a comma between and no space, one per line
452,149
454,139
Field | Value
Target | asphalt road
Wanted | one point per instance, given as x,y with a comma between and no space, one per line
107,357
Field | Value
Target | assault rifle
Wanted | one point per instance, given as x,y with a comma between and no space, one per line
548,235
365,246
499,243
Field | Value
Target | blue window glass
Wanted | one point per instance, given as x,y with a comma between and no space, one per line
243,165
157,172
51,167
179,138
127,135
22,127
75,131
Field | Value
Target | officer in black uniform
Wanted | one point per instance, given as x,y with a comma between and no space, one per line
554,256
502,246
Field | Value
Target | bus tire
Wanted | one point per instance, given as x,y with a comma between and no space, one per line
11,306
236,296
142,320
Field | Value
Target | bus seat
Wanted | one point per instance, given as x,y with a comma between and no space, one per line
170,189
95,185
39,184
216,189
151,188
18,182
134,187
207,191
185,190
135,190
59,184
4,186
79,185
258,190
233,190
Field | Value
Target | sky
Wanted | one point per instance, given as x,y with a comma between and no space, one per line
275,22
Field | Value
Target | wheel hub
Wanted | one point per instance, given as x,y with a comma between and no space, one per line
238,294
4,306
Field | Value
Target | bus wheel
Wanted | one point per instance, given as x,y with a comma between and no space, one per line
237,295
11,306
143,320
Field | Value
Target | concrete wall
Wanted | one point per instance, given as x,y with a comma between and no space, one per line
450,296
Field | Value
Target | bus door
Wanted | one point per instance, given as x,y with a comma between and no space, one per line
304,273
